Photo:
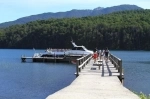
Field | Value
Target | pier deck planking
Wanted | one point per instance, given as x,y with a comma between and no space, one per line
95,83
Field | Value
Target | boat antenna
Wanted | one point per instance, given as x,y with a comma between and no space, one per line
73,43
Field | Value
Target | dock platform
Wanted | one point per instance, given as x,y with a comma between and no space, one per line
95,83
50,59
45,59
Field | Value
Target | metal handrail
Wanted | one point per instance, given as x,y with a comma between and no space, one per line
81,62
118,64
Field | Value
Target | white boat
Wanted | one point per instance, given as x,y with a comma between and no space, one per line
76,51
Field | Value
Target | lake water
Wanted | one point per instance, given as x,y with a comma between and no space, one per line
30,80
136,67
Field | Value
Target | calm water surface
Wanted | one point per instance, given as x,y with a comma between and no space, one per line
136,65
38,80
31,80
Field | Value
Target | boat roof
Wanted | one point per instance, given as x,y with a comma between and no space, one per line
73,43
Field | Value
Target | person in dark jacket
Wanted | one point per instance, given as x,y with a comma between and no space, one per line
106,52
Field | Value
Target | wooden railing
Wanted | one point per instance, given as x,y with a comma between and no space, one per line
81,62
118,64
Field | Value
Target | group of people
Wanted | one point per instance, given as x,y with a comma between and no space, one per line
101,54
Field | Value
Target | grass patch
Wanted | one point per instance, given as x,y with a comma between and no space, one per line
143,96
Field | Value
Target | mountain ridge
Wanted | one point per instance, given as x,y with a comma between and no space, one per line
72,13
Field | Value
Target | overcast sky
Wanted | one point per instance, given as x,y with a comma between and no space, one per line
11,10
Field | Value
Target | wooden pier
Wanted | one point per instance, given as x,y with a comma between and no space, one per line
100,80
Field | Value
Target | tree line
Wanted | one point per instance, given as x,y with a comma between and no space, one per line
125,30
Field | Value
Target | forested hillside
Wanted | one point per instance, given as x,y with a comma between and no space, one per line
127,30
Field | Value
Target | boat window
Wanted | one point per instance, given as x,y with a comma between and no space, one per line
78,48
74,48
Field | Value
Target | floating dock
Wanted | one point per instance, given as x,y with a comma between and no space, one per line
50,59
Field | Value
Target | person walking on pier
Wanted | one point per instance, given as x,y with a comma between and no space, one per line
101,54
95,49
106,52
95,55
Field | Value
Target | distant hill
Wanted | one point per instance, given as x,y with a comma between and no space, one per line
72,13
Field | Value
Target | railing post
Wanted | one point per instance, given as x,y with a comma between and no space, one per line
84,61
77,68
80,62
120,69
112,59
115,59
